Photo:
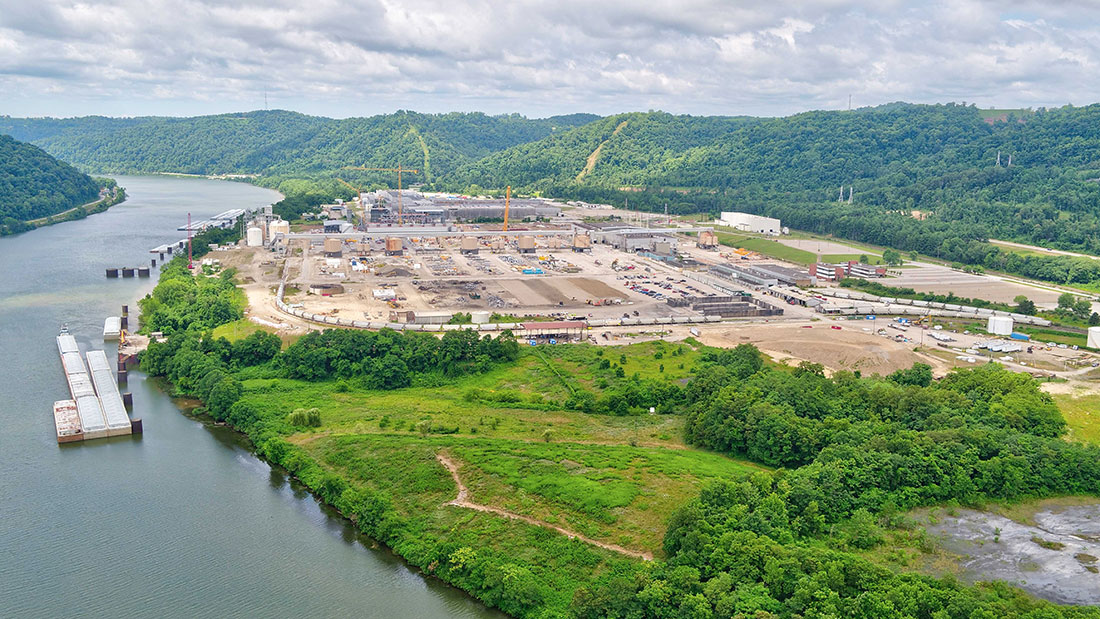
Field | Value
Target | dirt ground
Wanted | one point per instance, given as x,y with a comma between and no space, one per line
942,280
846,348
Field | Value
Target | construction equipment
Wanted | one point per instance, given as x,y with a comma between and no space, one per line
358,194
400,170
507,199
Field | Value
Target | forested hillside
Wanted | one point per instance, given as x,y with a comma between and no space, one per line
279,142
33,184
938,179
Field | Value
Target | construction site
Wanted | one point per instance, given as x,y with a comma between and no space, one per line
571,277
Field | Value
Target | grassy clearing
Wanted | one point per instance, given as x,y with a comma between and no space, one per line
240,329
614,479
766,247
834,258
1082,415
1039,334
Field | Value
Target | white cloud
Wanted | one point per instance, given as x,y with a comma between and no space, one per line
687,56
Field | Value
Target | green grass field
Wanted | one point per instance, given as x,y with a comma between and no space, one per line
764,246
240,329
613,479
834,258
1082,414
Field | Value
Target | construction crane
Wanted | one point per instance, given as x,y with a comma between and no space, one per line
400,170
507,199
358,194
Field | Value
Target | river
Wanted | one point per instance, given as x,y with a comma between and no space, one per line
183,521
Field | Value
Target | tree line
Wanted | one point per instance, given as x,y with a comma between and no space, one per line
854,453
34,185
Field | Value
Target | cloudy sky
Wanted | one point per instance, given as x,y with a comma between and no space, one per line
339,58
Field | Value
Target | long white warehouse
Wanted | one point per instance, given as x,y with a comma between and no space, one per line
748,222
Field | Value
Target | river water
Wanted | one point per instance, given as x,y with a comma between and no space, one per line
183,521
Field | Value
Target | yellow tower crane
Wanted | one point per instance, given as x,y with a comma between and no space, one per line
358,194
507,199
400,170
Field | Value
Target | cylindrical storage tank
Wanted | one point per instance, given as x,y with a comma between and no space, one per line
1094,337
255,237
278,226
479,318
999,325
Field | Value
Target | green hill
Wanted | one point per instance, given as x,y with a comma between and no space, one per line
33,184
279,142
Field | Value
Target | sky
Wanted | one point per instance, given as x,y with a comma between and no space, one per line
358,58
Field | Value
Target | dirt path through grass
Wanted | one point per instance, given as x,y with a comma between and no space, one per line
462,500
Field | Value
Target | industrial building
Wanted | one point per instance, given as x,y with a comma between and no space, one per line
784,275
409,206
747,222
744,274
852,268
707,240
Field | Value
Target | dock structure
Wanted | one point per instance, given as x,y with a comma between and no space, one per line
96,409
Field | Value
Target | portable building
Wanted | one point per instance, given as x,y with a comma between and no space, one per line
1094,337
999,325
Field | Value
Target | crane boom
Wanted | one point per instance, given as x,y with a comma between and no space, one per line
400,170
507,199
359,194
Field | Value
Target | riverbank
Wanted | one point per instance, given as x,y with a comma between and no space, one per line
116,195
184,518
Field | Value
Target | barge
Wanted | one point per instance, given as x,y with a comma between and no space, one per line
106,387
67,422
96,409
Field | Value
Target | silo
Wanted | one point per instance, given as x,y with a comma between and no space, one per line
277,226
1094,337
333,247
255,237
479,318
999,325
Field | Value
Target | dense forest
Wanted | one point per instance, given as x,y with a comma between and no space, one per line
856,454
937,179
33,184
279,142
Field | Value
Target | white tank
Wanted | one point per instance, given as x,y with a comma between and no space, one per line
479,318
255,237
277,226
999,325
1094,337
